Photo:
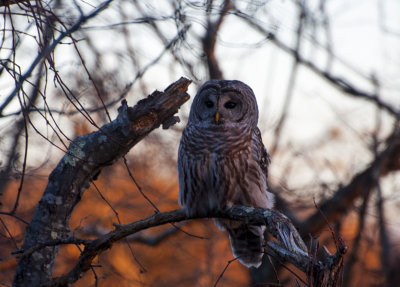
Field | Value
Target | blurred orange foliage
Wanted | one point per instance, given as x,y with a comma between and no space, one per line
177,260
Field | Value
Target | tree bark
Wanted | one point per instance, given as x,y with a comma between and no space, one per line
85,158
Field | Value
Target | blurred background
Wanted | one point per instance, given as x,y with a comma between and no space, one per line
326,75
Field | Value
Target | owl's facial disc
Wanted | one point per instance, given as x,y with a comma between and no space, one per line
224,103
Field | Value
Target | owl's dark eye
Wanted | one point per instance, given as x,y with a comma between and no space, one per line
209,104
230,105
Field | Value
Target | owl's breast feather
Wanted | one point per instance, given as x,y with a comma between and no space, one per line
216,140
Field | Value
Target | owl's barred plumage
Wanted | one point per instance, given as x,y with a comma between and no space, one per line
223,162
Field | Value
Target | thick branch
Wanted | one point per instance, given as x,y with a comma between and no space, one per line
85,158
289,246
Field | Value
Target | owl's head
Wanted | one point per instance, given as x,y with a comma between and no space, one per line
222,102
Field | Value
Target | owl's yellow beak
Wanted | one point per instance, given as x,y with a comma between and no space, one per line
217,117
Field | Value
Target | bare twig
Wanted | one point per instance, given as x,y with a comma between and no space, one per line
223,271
9,233
15,216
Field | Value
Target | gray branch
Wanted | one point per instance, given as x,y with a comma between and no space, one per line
85,158
288,247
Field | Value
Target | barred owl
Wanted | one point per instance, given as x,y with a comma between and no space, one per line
223,162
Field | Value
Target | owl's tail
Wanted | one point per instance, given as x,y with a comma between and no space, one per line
247,244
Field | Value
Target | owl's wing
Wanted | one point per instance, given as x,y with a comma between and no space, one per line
182,176
264,159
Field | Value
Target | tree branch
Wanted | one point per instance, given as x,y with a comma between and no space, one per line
85,158
289,246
